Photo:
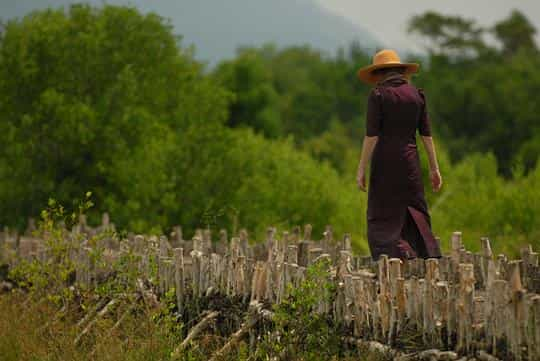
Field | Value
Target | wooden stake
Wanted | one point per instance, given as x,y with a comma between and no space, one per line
179,278
465,308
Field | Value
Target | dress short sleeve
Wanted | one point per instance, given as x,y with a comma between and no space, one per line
424,125
374,113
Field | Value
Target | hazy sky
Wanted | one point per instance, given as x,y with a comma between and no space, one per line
386,19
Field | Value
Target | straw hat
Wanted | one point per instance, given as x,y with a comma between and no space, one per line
386,58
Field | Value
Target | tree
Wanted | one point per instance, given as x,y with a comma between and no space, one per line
256,102
515,32
84,89
452,36
481,99
296,90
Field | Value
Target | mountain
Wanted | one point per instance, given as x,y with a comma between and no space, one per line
218,27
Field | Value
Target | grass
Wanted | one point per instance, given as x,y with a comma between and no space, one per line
33,330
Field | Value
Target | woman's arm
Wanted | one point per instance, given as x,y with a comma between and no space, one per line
430,149
367,150
435,175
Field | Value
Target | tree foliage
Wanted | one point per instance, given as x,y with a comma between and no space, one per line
83,90
448,35
483,102
299,88
107,99
515,33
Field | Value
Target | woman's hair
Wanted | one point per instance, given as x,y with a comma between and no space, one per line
393,69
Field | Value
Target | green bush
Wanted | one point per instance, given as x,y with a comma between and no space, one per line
479,203
212,176
299,331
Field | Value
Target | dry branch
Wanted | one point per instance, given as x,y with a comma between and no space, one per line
101,313
254,314
194,332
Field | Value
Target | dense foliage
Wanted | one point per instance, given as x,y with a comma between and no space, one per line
482,95
84,92
107,99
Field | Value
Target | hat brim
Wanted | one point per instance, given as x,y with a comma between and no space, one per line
366,75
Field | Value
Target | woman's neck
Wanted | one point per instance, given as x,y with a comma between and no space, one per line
392,75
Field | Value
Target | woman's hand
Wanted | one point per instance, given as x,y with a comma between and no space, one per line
361,179
436,179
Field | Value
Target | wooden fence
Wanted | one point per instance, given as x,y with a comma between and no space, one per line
462,304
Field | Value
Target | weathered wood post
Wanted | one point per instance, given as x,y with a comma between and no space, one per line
430,287
384,294
303,247
303,253
358,319
497,314
328,239
207,246
307,232
244,243
141,252
286,239
502,262
487,255
163,253
344,270
528,266
533,332
169,273
262,284
177,237
517,321
271,265
394,269
291,265
281,245
215,272
442,310
255,295
240,273
533,272
414,303
223,242
179,278
346,245
196,255
465,307
457,245
281,258
444,268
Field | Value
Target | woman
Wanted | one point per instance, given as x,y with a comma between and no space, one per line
398,221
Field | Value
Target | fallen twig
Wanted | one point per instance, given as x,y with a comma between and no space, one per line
194,332
254,314
101,313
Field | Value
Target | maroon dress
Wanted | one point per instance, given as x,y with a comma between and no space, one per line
398,221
